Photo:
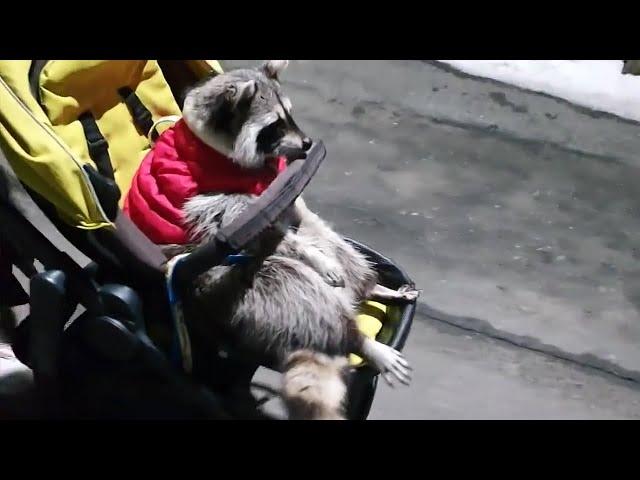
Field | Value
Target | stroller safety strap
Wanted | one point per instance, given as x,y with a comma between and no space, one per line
141,115
97,145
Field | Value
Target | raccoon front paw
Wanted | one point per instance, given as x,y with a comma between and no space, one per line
388,361
405,294
408,293
334,279
329,270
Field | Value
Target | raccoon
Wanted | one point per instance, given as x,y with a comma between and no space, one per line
297,298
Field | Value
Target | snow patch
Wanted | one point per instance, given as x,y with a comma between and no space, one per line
596,84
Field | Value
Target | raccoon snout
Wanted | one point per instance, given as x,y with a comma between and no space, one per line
306,143
291,153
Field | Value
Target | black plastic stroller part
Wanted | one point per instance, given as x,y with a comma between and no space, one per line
125,304
107,367
106,190
362,389
111,372
48,315
121,337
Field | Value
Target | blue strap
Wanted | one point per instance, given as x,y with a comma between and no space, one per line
239,259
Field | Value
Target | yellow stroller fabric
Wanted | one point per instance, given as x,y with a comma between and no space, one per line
44,140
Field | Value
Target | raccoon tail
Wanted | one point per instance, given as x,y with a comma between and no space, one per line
314,386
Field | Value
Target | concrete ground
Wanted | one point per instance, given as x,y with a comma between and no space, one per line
516,213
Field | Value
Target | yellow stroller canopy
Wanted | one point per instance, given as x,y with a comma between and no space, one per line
73,130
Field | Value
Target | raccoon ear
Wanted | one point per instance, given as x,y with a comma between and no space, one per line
240,90
273,68
247,89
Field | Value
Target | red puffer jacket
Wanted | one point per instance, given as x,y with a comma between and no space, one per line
179,167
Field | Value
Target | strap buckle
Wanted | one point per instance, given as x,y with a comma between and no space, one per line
98,146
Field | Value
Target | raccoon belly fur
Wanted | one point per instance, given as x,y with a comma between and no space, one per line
315,233
279,303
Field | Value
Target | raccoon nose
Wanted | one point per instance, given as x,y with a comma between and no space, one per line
306,143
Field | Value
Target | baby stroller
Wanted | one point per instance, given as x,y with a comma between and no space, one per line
105,339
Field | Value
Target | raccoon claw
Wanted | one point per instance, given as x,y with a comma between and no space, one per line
405,294
391,363
398,372
334,279
408,293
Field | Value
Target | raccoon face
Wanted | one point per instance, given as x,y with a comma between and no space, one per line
245,115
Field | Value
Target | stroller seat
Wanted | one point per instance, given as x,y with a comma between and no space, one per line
73,134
